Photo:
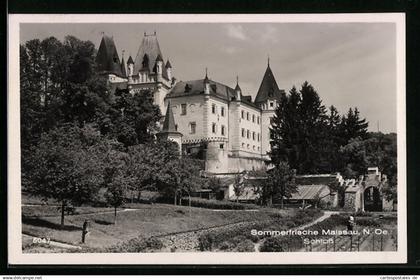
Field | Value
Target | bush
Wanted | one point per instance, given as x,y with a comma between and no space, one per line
273,244
217,204
137,245
245,246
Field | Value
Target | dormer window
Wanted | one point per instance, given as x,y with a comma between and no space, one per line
187,88
271,104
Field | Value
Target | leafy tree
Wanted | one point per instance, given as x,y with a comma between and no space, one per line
64,167
280,183
179,176
131,118
238,186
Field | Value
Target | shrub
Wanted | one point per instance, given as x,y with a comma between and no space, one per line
137,245
245,246
205,241
272,244
217,204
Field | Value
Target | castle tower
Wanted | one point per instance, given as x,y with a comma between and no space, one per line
169,129
268,98
149,73
238,91
108,62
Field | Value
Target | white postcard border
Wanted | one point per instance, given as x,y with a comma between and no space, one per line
15,255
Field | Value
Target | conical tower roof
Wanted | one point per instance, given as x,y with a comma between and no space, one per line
169,122
107,59
149,46
268,88
130,60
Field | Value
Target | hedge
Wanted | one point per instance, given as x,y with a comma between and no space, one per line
216,204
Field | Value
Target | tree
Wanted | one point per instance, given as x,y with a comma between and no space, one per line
238,186
298,131
146,161
117,180
280,183
179,176
64,166
352,126
131,118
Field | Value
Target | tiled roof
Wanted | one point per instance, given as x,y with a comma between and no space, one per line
310,192
196,87
149,46
319,179
107,59
268,88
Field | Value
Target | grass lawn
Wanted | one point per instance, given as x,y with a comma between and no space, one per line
144,221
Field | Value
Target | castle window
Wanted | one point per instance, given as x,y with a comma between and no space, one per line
271,104
247,146
247,116
258,148
247,134
221,146
222,131
222,111
213,108
253,147
213,128
192,127
253,135
243,132
258,120
183,109
258,137
243,145
176,127
242,114
253,118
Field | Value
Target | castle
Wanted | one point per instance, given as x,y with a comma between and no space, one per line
208,119
228,130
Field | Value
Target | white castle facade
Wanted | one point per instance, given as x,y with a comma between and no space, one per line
209,120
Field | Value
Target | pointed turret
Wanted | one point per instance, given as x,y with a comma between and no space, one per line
238,90
107,59
168,64
169,123
168,68
169,129
206,82
130,66
268,88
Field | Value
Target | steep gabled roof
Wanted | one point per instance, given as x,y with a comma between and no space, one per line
150,46
169,122
107,59
268,88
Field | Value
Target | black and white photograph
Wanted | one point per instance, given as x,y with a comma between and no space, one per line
207,139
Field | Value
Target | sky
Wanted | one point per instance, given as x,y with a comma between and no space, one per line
348,64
